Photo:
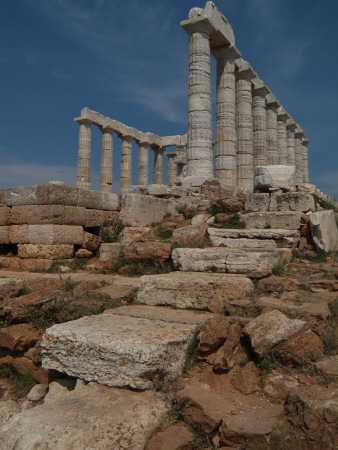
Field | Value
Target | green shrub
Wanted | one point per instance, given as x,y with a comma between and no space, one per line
163,233
112,234
278,269
20,384
234,222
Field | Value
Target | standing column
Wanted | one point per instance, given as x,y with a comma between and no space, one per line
83,159
199,143
171,172
245,156
290,136
106,174
181,160
225,135
158,165
299,134
271,129
259,122
282,146
305,143
126,165
143,164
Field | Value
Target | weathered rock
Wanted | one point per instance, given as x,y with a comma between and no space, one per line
18,234
91,242
292,201
38,214
142,210
214,333
257,202
300,348
148,342
42,251
10,287
324,230
231,352
175,437
10,262
131,235
89,418
110,251
269,329
224,260
75,215
246,380
277,284
200,218
4,235
190,291
189,233
274,176
59,387
243,243
8,408
18,337
5,215
278,386
24,365
37,393
278,219
81,253
55,234
148,251
313,414
328,368
94,218
36,264
252,427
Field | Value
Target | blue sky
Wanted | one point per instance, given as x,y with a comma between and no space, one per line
128,59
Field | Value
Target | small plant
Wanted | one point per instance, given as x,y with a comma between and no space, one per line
278,269
1,265
69,284
163,233
234,222
23,291
78,263
178,408
267,226
304,287
112,234
270,361
212,210
167,215
20,384
180,209
192,352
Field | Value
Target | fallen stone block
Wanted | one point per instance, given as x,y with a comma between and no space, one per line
276,176
91,242
131,235
148,343
328,368
110,251
292,201
174,437
92,417
42,251
142,210
156,252
18,337
223,260
324,230
189,233
257,202
278,219
184,290
55,234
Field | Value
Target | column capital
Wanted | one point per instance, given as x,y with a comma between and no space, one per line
259,87
197,24
126,137
83,121
227,51
299,132
171,154
271,101
291,125
305,141
282,114
244,70
106,129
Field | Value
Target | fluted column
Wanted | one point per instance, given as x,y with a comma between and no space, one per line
271,128
199,139
305,166
245,156
106,172
290,136
158,165
83,159
143,164
259,122
282,146
225,135
299,133
126,165
171,172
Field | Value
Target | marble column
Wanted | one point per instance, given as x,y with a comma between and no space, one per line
290,136
106,173
259,122
299,134
245,154
225,134
143,164
271,129
126,165
305,166
181,160
199,139
282,146
158,165
171,172
83,159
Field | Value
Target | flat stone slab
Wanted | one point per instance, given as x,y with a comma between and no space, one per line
123,347
188,290
289,220
92,417
224,260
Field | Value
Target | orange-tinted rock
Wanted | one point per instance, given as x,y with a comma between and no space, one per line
246,380
175,437
214,333
300,348
18,337
91,242
231,352
148,251
83,253
277,284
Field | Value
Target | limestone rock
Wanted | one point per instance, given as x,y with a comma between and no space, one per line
278,219
94,218
276,176
75,215
4,235
131,235
228,354
324,230
189,233
10,287
24,365
247,379
91,242
57,388
277,284
214,333
81,253
37,393
55,234
5,214
300,348
279,386
257,202
252,426
130,352
8,408
148,251
87,419
186,290
38,214
18,234
41,251
18,337
36,264
200,218
328,368
110,251
292,201
175,437
269,329
142,210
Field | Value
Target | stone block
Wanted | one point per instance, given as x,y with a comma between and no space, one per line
75,215
92,417
4,235
279,219
130,235
38,214
55,234
183,290
91,242
122,352
29,265
41,251
17,338
277,176
94,218
292,201
110,251
324,230
256,263
110,201
257,202
18,234
189,233
155,252
5,215
10,262
21,195
55,194
90,199
142,210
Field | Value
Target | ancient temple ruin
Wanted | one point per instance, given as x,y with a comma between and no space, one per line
257,144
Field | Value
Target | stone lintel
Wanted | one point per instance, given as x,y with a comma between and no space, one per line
81,120
170,154
210,18
226,51
282,114
259,87
271,100
299,132
244,69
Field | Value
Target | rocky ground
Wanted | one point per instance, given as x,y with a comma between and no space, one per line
261,373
